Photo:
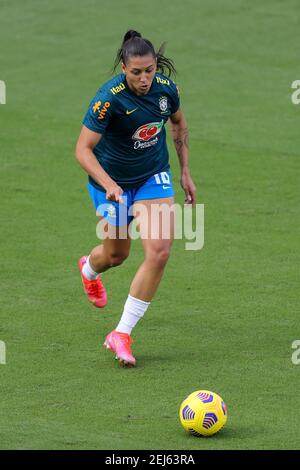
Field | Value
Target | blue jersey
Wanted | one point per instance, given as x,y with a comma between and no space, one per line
133,144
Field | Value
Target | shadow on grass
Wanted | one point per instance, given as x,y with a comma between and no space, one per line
240,433
165,359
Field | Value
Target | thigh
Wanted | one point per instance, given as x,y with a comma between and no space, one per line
155,219
115,240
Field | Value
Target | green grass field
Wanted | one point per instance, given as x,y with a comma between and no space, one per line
225,317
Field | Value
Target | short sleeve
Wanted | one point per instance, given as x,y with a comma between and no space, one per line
99,112
175,99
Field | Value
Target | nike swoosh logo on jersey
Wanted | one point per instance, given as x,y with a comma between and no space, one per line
132,111
166,187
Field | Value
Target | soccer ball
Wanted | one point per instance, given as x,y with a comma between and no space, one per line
203,413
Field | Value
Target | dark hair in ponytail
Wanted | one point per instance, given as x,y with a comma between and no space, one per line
135,45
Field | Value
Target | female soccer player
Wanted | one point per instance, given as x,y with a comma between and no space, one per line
122,147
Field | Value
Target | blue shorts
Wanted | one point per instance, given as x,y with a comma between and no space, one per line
118,214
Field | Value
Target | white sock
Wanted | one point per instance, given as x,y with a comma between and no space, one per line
88,272
134,310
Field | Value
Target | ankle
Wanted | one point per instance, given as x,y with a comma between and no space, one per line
88,270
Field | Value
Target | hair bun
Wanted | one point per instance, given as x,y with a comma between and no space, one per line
131,34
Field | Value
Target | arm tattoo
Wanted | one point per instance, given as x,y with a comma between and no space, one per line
181,138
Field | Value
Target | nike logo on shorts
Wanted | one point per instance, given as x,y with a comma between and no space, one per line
166,187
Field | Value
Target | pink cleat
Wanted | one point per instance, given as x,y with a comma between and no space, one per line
119,343
94,289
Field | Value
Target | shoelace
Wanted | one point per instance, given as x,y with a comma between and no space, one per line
94,288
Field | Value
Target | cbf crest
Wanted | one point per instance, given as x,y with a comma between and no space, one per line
163,104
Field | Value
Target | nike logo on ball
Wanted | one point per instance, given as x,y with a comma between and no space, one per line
132,111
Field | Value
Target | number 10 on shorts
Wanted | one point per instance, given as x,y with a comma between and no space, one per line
162,178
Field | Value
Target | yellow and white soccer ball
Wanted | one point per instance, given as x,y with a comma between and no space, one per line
203,413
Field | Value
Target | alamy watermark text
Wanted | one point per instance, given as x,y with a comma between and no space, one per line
295,96
2,352
296,353
2,92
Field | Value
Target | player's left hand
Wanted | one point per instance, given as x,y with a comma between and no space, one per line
189,188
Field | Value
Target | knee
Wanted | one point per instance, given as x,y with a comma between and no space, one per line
159,258
115,259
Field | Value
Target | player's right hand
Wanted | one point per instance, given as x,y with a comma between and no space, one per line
114,193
